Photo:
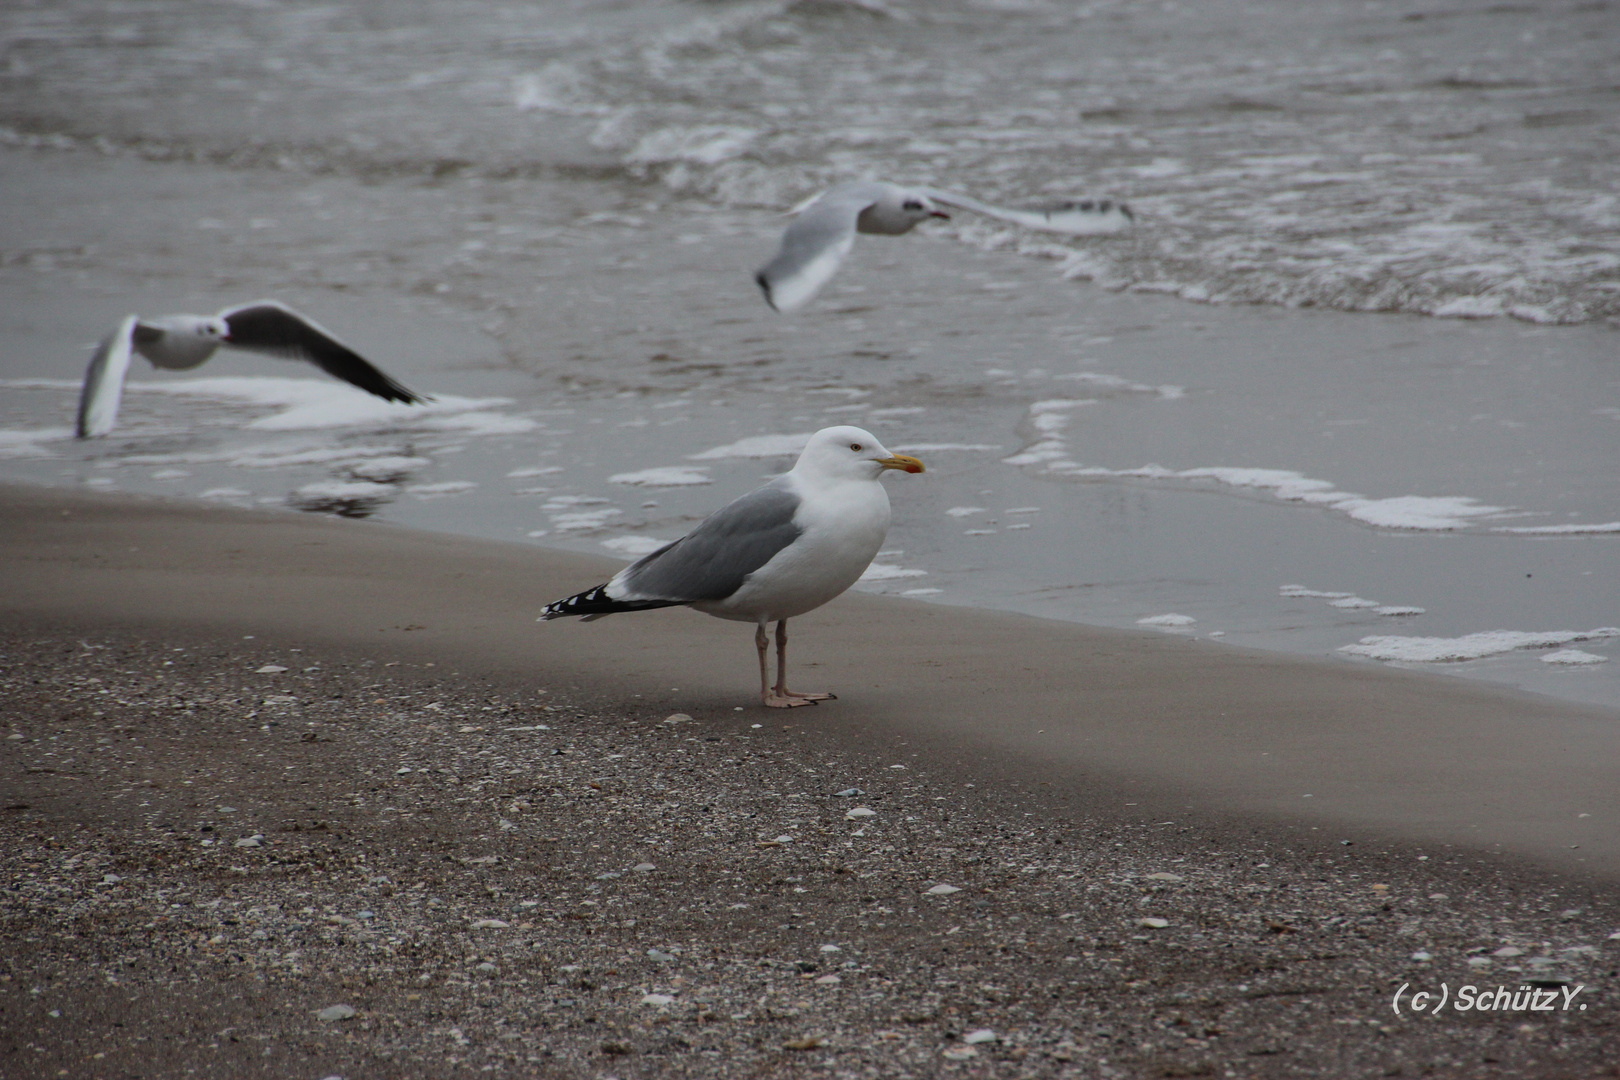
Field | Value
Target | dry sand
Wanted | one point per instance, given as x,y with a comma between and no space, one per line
1049,771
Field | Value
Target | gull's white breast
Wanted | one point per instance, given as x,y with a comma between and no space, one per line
845,523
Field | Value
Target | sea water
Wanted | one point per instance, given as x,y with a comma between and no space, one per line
1349,386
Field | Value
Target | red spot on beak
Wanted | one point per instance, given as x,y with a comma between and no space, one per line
939,214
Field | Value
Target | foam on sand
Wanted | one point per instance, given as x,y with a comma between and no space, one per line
1435,650
1171,620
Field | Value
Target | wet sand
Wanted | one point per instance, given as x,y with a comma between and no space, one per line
456,762
1304,742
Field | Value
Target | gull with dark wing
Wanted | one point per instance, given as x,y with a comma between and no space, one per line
771,555
816,243
182,342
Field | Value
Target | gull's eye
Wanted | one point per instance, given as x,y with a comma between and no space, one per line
857,447
911,204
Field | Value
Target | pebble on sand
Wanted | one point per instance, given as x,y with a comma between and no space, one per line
1153,922
270,669
490,924
828,980
982,1035
335,1012
961,1053
860,812
657,999
1162,876
644,867
943,890
256,840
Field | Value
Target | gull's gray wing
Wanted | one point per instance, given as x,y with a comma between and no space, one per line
712,561
269,327
104,381
709,563
815,244
1084,217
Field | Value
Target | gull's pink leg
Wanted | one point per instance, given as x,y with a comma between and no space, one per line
762,641
780,697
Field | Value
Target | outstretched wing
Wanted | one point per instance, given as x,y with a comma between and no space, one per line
815,245
269,327
104,381
1083,217
709,563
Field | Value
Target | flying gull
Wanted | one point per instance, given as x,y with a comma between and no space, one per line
182,342
815,244
771,555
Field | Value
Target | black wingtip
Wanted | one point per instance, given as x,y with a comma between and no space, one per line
765,287
597,602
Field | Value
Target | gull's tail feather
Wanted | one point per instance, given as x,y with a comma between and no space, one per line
595,603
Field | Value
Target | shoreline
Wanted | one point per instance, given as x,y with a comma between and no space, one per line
1479,766
312,835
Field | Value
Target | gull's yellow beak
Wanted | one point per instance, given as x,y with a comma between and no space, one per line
903,462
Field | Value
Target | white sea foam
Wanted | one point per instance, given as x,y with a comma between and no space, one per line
1171,619
965,511
922,592
1114,382
634,546
889,571
1560,530
1470,646
17,443
335,496
1300,590
1424,513
756,446
666,476
226,493
584,520
534,470
938,447
1574,658
313,404
1348,601
387,468
446,487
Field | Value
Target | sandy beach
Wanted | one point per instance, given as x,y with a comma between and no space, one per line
1236,695
324,763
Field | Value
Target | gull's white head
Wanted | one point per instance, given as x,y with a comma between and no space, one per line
851,453
898,211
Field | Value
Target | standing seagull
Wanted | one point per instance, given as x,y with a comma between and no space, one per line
775,553
817,242
182,342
